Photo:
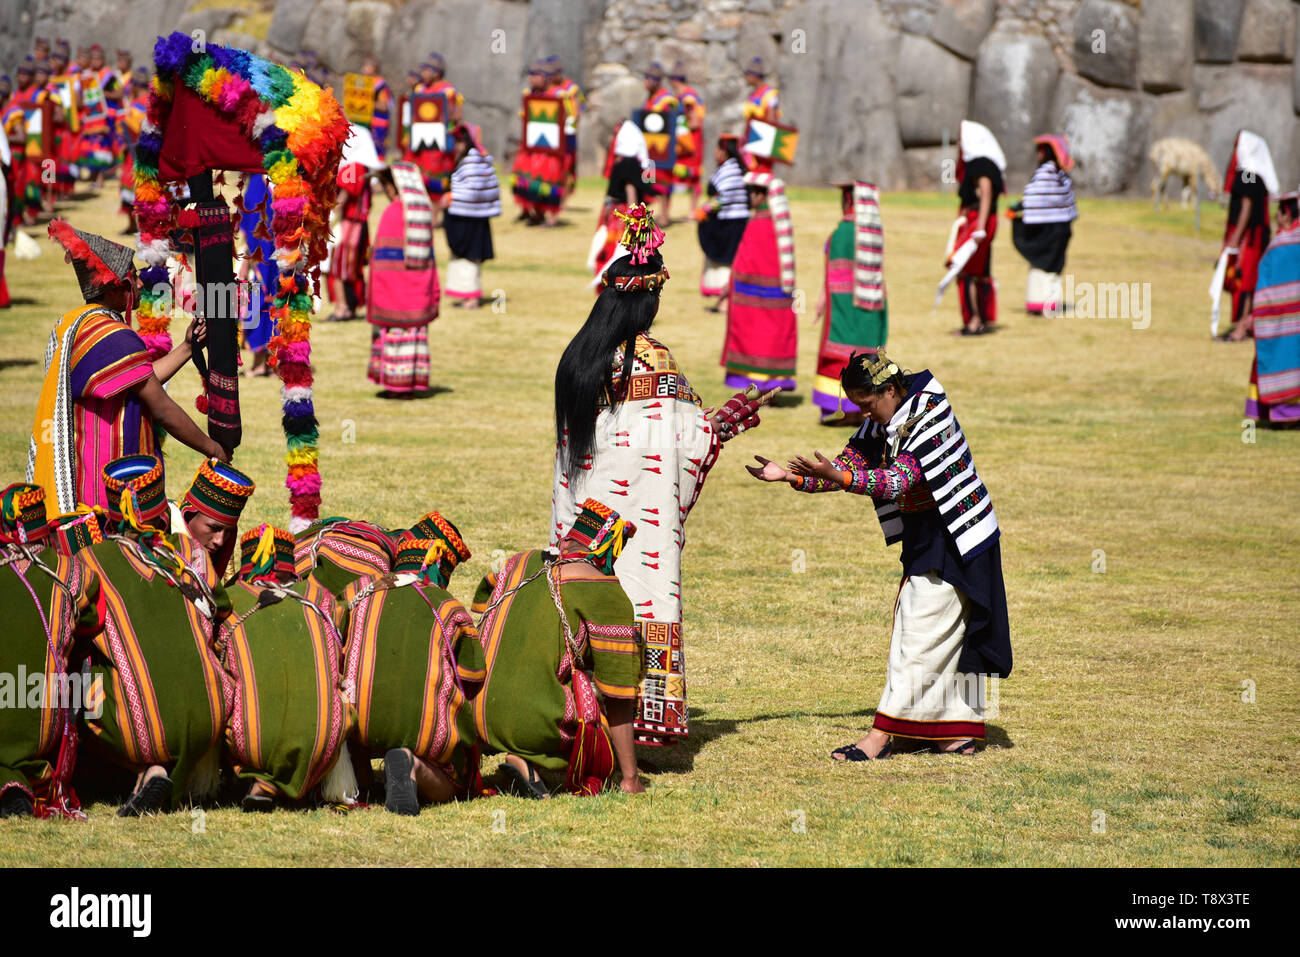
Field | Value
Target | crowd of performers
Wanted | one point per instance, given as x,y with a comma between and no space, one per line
292,673
176,657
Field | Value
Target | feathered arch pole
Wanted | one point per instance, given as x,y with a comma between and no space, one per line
212,108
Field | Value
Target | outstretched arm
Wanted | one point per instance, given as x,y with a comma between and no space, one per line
824,475
164,410
850,472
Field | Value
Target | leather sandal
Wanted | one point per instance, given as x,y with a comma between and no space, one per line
852,752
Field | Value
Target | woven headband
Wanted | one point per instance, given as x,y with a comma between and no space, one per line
651,283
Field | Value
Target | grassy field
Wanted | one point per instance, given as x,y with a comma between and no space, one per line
1150,557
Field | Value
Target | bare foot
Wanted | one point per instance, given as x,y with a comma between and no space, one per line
632,786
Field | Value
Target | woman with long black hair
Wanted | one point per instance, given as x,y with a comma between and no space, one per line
630,431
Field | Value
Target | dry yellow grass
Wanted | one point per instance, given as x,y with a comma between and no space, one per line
1092,435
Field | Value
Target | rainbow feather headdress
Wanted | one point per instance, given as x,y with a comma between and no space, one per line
299,129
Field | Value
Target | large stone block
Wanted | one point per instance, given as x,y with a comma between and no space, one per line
611,101
758,37
209,21
1106,43
484,44
844,119
1267,31
961,25
925,167
343,33
559,28
240,41
103,22
1168,44
1015,77
288,23
1255,97
18,17
1107,130
1218,23
1295,72
933,91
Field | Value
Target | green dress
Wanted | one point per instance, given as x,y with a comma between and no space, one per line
162,688
846,328
536,690
401,652
289,715
41,602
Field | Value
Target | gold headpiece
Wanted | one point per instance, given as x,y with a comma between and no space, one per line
879,367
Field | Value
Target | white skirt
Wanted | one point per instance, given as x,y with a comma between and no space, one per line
463,278
715,278
1043,291
925,696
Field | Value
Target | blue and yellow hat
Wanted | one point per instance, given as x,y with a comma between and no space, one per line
137,492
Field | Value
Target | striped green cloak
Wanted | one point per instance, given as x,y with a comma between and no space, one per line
162,688
402,647
289,715
534,692
41,602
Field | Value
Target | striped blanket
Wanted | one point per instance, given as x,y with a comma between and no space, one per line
475,190
868,249
1277,320
925,426
1049,196
779,203
417,211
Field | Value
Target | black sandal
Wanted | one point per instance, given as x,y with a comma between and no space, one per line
961,751
152,797
852,752
400,795
531,786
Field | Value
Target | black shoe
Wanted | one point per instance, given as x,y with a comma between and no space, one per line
14,802
529,786
257,802
400,796
153,796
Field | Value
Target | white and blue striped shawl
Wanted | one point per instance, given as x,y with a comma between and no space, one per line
925,427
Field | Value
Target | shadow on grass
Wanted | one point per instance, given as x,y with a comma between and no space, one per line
676,758
23,301
428,393
15,363
787,400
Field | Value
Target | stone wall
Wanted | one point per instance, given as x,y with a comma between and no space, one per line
877,87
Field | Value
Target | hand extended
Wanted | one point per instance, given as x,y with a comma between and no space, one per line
822,468
740,413
218,452
767,471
